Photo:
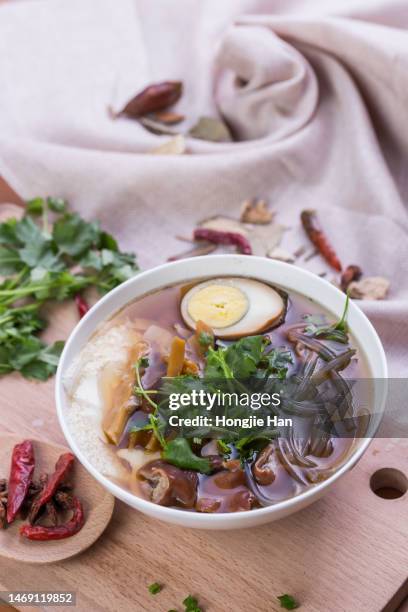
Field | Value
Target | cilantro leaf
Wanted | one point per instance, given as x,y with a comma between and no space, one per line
191,604
73,236
40,266
155,588
288,602
10,261
8,233
57,205
26,231
35,206
179,453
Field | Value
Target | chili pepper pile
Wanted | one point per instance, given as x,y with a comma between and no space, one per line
42,500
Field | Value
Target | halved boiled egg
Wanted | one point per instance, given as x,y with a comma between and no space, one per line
233,307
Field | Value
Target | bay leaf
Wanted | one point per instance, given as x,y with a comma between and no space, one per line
211,129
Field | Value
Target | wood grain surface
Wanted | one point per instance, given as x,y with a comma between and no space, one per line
346,553
97,503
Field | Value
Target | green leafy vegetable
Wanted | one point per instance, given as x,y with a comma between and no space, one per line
42,263
179,453
155,588
251,356
288,602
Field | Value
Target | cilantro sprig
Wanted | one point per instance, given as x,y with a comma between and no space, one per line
337,332
50,254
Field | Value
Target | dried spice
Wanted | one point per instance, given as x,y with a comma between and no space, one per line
227,238
3,503
255,211
350,274
57,532
21,474
175,146
370,288
262,238
44,498
211,129
62,470
156,97
168,117
82,305
319,239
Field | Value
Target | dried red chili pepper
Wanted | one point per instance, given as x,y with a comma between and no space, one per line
21,475
350,274
82,305
319,238
153,98
59,532
62,469
217,237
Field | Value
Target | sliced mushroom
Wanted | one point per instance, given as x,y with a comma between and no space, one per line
167,485
240,501
208,505
263,468
229,479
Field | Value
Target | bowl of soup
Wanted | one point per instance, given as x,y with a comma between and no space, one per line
220,392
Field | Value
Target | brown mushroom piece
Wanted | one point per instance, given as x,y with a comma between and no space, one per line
208,505
229,479
241,500
166,485
263,468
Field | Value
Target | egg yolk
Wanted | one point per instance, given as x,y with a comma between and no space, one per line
218,305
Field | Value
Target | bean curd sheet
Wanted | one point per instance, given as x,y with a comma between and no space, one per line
234,334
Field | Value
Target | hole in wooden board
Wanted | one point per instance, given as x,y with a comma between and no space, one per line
389,483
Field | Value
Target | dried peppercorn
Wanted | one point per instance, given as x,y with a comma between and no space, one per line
319,239
58,532
82,305
21,475
217,237
62,469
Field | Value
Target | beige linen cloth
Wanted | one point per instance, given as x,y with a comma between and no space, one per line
320,106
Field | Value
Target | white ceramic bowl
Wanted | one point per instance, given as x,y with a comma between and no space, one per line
286,276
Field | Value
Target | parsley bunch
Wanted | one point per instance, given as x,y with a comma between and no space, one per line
50,254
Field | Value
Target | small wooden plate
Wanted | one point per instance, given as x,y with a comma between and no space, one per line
98,506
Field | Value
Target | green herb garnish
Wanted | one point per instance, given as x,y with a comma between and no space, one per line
155,588
191,604
288,602
179,453
224,448
338,332
205,339
43,260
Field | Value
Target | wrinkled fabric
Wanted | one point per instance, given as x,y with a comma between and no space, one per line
316,93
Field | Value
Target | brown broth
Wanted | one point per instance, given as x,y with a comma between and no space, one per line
162,309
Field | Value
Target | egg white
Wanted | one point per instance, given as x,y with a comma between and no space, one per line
266,307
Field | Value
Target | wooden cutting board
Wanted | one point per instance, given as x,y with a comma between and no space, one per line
346,553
